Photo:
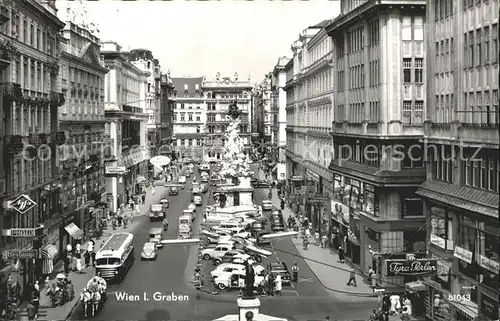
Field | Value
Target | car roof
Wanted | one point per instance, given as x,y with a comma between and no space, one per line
266,201
149,244
281,264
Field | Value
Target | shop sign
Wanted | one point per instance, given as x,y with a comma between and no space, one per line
415,267
313,176
297,178
115,170
22,232
438,241
19,254
443,270
489,307
463,254
489,264
341,211
22,204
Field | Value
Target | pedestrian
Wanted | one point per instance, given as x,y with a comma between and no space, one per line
316,237
324,240
278,285
78,265
352,277
37,286
295,272
87,258
31,309
66,264
143,198
408,305
371,272
270,285
341,254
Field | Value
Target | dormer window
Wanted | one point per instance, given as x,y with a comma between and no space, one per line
209,95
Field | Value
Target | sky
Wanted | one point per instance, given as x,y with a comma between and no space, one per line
201,38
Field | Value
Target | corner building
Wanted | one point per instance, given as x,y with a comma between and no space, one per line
379,65
82,120
219,94
461,190
125,92
309,89
31,96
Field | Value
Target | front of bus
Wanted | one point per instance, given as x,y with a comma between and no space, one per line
107,264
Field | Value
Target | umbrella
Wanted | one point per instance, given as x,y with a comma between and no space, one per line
61,276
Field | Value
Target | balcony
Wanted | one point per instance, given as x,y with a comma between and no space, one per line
7,51
12,91
57,99
455,131
14,144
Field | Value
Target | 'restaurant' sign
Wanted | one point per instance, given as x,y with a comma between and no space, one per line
415,267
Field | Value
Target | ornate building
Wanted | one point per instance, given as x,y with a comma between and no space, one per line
462,134
145,61
263,117
379,65
30,51
125,92
219,93
188,117
82,119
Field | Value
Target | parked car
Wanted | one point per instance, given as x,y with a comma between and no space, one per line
267,205
173,191
218,258
282,269
237,259
262,241
219,250
182,179
149,251
236,279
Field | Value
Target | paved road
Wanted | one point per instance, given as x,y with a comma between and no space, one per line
173,271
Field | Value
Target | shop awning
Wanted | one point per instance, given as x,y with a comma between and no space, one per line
416,286
49,252
74,231
352,238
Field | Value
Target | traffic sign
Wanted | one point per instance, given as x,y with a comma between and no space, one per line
378,290
20,254
22,204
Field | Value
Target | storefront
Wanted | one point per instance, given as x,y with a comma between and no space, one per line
114,178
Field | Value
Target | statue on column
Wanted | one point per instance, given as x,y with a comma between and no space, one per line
249,281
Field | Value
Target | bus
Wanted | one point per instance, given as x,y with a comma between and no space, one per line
115,257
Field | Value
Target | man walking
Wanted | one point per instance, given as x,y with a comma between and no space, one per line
295,272
352,278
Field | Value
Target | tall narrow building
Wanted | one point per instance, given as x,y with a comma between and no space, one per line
379,62
82,119
125,92
461,134
166,115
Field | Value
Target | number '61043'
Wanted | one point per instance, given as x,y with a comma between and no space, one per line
458,297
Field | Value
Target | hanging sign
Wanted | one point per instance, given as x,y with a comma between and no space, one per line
415,267
22,204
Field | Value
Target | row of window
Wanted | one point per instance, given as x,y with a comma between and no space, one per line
443,9
477,48
355,40
374,33
27,174
189,106
445,111
470,3
183,117
482,108
357,76
479,171
413,112
29,119
30,74
33,35
445,55
319,83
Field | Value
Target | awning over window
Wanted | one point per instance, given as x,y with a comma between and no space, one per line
351,237
74,231
49,252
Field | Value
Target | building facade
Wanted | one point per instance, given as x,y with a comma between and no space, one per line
379,64
125,92
461,132
166,114
31,98
82,119
219,94
278,107
145,61
309,115
189,118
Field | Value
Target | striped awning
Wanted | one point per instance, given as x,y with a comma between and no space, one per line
74,231
49,252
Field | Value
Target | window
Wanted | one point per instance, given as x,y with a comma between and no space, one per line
494,38
471,49
486,49
371,200
174,117
442,163
182,106
198,118
406,112
183,116
406,70
479,40
481,171
190,117
412,206
419,74
441,228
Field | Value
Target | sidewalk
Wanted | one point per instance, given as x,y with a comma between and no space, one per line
79,280
324,263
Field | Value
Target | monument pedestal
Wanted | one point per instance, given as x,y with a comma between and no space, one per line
248,305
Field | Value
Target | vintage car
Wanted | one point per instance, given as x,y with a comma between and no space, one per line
182,179
236,279
226,268
267,205
280,268
149,251
173,191
197,200
277,224
156,212
219,250
217,257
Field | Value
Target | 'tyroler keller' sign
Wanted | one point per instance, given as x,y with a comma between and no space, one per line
414,267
